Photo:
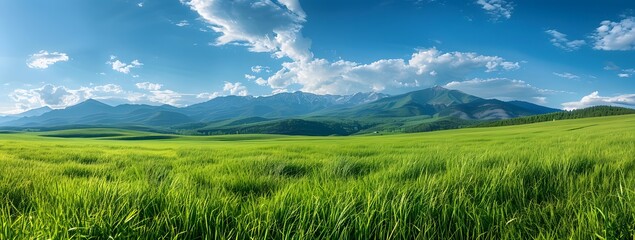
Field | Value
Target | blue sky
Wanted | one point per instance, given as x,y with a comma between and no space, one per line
564,54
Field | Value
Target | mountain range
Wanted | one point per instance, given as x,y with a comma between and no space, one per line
30,113
286,113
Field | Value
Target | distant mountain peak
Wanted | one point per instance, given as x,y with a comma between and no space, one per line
90,104
34,112
91,101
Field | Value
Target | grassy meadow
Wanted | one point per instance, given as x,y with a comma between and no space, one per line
552,180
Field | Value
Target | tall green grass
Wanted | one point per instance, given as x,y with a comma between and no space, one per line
565,179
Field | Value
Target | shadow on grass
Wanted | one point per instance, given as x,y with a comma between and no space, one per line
246,187
347,168
83,135
141,138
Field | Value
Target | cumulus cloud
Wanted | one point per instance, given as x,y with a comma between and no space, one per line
229,88
236,88
123,67
263,26
275,27
425,68
149,86
560,40
48,95
155,94
261,82
567,75
165,97
623,75
503,89
250,77
594,99
44,59
497,8
615,35
59,96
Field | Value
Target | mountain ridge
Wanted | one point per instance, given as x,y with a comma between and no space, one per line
333,113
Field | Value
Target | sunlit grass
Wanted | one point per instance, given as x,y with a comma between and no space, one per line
564,179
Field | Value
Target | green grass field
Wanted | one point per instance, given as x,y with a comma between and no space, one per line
552,180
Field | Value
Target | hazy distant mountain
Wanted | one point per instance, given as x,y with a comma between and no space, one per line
30,113
276,106
34,112
69,115
93,112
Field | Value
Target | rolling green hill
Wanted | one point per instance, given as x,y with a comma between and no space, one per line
597,111
287,127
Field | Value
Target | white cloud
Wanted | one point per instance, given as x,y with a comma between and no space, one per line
261,82
155,94
497,8
560,40
263,26
109,88
615,35
208,95
626,73
594,99
60,96
622,73
149,86
43,59
275,27
236,88
567,75
183,23
250,77
122,67
258,69
503,89
140,4
425,68
279,90
229,88
165,97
